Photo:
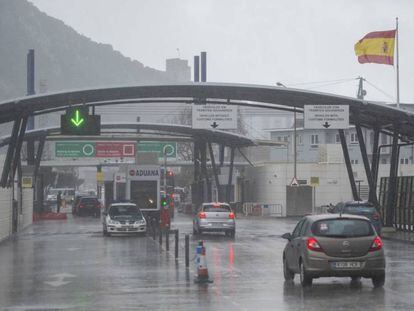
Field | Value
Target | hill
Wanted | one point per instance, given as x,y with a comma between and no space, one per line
64,59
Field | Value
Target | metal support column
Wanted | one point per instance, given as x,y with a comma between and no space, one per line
392,185
38,158
348,165
228,192
213,164
10,153
368,172
375,162
16,155
204,174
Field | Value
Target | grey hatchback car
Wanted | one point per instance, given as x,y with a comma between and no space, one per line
333,245
215,217
361,208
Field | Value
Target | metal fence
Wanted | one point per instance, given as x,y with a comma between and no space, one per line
404,204
262,209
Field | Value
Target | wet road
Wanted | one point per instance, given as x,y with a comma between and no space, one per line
69,265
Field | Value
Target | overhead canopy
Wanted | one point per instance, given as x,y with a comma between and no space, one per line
366,113
179,133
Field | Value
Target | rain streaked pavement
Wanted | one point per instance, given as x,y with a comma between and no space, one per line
69,265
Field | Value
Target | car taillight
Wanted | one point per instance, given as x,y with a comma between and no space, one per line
81,206
231,215
376,244
376,216
201,215
313,245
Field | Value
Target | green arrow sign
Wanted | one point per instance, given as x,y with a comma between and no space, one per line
78,120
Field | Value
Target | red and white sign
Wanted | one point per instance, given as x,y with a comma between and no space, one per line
115,149
294,182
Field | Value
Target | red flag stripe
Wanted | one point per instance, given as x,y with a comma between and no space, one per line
380,34
376,59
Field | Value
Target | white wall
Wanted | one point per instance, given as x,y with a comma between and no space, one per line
268,182
26,218
5,213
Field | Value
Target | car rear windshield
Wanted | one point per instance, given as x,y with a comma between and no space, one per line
124,210
89,200
342,228
363,209
216,208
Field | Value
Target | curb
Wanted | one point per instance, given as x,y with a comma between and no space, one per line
398,240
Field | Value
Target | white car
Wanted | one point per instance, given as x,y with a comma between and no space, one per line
123,218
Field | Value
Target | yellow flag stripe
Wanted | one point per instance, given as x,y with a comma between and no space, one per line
375,46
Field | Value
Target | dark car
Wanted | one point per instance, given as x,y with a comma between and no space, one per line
361,208
87,206
336,245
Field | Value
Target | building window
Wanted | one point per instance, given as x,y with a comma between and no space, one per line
299,139
354,161
384,139
354,138
337,139
314,140
404,161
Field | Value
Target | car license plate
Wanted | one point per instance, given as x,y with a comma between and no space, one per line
346,265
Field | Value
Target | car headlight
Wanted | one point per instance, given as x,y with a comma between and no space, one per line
140,222
113,222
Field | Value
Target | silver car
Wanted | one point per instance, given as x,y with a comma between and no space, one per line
215,217
334,246
123,218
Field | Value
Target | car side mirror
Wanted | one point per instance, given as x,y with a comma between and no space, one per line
287,236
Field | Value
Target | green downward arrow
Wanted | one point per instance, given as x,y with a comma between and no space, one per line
78,120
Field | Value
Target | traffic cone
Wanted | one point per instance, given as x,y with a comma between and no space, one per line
202,270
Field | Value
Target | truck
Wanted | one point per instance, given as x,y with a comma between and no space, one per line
143,189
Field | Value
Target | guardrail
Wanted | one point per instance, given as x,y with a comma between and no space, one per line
262,209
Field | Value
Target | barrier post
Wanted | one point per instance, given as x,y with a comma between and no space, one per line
187,250
167,240
176,244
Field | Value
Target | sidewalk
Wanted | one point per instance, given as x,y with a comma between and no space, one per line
399,236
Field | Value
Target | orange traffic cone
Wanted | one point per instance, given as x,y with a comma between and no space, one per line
202,270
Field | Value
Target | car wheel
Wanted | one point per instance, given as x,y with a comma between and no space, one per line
305,279
287,273
378,280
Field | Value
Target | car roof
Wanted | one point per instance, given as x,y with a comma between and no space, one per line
122,204
314,218
216,203
365,202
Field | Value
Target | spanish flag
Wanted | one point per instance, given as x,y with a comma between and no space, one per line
376,47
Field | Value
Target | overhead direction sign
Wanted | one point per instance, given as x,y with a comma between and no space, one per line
160,147
77,121
326,116
98,149
215,116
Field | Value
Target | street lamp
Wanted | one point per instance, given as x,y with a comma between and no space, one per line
294,136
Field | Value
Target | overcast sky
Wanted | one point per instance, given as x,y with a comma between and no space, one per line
254,41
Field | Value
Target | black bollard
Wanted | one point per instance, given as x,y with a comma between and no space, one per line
187,250
167,240
176,244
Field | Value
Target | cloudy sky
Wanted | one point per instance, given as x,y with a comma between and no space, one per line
297,42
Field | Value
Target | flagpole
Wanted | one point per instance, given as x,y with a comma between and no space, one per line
398,66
